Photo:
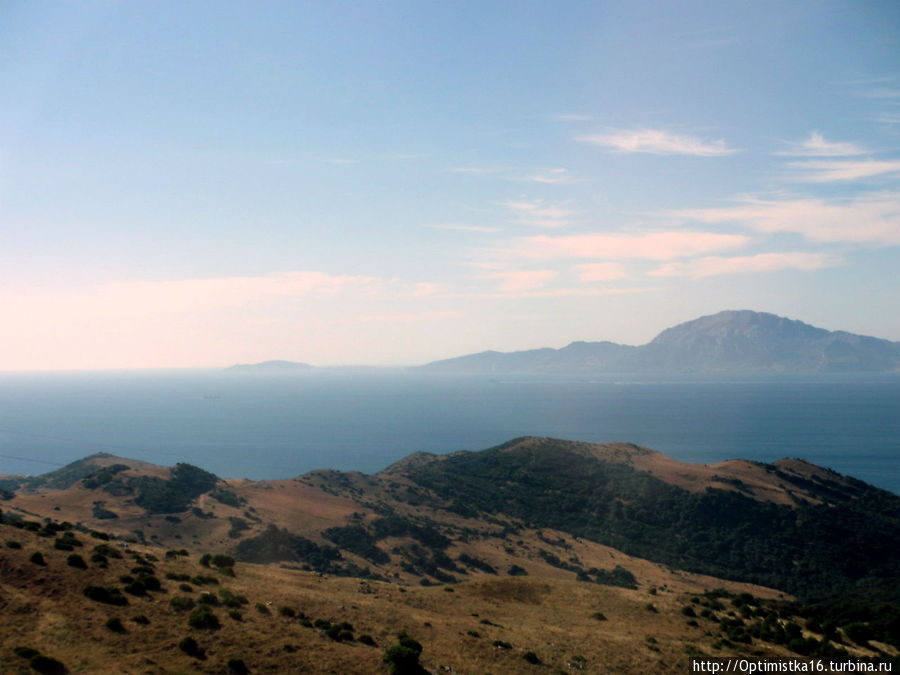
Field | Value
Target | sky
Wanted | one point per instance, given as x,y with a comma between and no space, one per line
196,184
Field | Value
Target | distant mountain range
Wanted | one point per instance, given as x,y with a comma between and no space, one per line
731,341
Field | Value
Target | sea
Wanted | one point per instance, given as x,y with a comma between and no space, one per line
281,425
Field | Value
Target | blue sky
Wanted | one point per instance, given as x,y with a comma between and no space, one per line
198,184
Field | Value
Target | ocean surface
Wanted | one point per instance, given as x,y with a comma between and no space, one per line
278,426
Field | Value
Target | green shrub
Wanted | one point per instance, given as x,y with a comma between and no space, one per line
37,558
859,632
207,598
600,616
235,614
220,560
115,625
289,612
75,560
47,665
532,658
181,603
237,667
366,639
262,609
25,652
13,544
403,656
500,644
204,618
516,571
141,619
190,647
108,595
108,551
229,599
204,580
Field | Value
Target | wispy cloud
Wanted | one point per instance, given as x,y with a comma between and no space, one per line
602,271
541,213
464,228
553,177
339,160
828,171
424,289
657,142
817,146
572,292
649,246
475,170
763,262
870,218
401,156
889,93
573,117
513,281
413,317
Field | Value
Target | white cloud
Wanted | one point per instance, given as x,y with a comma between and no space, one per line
541,213
657,142
189,294
763,262
298,315
424,289
827,171
513,281
571,292
817,146
649,246
414,317
463,228
475,170
871,218
339,160
603,271
553,177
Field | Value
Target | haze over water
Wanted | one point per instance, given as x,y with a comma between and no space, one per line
264,427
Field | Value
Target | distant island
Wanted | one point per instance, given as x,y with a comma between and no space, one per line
728,342
270,367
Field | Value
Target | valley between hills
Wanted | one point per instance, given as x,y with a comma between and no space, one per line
539,555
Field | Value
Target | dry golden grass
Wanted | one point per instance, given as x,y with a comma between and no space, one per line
547,612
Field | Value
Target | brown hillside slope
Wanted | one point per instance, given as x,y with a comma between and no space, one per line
276,620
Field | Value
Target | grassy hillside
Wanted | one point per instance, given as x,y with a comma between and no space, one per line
78,601
837,533
528,536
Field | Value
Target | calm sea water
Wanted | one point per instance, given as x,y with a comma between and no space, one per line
262,427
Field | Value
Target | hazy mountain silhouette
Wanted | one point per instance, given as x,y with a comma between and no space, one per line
730,341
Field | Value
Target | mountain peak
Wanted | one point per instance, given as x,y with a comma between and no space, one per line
731,341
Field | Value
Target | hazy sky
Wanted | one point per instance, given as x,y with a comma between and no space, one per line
204,183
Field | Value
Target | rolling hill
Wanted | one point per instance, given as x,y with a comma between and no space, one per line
452,549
